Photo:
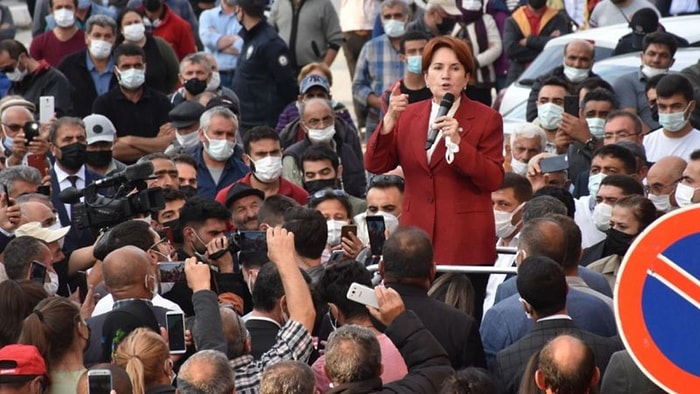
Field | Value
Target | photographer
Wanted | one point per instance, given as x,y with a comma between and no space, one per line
17,122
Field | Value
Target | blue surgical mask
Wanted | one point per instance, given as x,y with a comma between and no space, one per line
674,121
394,28
594,184
414,64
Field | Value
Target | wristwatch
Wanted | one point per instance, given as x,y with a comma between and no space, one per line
591,144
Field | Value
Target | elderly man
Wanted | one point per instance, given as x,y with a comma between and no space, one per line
526,141
662,179
244,203
15,144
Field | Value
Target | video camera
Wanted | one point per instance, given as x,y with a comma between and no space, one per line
132,197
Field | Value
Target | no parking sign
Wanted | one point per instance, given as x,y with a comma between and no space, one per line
657,301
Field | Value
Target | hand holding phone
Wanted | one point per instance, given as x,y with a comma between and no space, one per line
37,272
571,105
172,272
99,381
376,229
175,322
362,294
46,108
81,277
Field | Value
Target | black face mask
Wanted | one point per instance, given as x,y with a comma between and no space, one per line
151,5
189,191
99,158
176,228
617,242
73,156
314,186
537,4
447,25
195,86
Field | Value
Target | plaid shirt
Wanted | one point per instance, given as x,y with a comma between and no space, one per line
293,343
378,67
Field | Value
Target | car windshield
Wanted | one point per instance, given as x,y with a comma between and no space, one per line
552,57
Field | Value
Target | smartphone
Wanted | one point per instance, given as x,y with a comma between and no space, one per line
345,230
38,161
46,109
99,381
81,278
7,196
175,322
362,294
336,256
554,164
376,228
571,105
251,240
172,272
31,131
37,272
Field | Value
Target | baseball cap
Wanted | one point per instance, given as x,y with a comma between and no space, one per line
643,22
99,128
449,6
185,114
120,322
34,230
240,190
314,80
222,101
20,363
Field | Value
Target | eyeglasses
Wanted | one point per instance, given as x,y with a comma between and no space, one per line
13,127
154,247
658,189
325,193
622,134
386,180
315,123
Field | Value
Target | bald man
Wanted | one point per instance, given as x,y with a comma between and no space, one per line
566,364
206,371
13,120
35,211
662,179
578,62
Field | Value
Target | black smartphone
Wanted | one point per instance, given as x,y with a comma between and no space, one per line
347,229
99,381
7,195
571,105
81,278
31,131
172,272
175,322
251,240
37,272
376,228
554,164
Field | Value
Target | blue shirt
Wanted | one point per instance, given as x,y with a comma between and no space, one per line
378,66
101,80
214,24
233,170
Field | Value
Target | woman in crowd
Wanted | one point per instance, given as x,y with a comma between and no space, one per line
56,328
335,207
455,289
16,303
146,358
162,66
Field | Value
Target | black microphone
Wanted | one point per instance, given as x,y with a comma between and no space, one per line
70,195
445,106
134,172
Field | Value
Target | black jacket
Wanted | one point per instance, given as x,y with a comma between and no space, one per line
537,85
84,93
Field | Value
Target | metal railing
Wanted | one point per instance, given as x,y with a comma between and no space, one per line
472,269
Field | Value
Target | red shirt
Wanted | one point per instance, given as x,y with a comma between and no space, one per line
48,47
534,19
287,188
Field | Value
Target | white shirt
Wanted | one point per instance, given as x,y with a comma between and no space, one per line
104,305
590,235
358,14
658,145
64,183
502,261
434,107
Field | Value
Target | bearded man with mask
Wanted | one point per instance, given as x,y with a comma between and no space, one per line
527,31
439,18
138,112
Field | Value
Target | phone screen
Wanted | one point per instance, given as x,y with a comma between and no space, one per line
554,164
172,272
376,228
38,272
99,383
176,332
251,240
345,230
571,105
82,285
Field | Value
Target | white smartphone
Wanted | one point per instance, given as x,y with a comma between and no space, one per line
99,381
362,294
175,322
46,109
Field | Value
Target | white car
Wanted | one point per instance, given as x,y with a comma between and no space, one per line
605,40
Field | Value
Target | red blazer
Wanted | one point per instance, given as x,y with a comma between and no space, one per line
451,202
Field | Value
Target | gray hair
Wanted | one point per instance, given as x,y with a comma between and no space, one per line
17,107
234,330
352,355
195,58
217,378
37,197
101,21
542,205
10,175
393,3
205,119
289,377
528,131
64,121
304,104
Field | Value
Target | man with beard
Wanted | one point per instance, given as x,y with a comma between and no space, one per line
244,203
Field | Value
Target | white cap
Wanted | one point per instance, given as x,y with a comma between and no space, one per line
34,230
449,6
99,128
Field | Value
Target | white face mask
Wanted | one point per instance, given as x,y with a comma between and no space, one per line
16,75
394,28
651,72
518,166
321,135
334,227
673,122
594,184
134,32
504,222
596,126
601,216
51,287
549,115
219,150
684,195
187,141
574,74
662,202
214,82
391,222
64,17
471,5
132,78
268,169
100,49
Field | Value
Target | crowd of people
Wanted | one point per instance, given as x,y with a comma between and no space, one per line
228,187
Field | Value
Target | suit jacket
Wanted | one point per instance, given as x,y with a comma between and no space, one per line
457,332
623,376
263,335
511,362
594,280
451,202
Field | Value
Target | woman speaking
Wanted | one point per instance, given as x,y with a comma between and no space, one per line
448,182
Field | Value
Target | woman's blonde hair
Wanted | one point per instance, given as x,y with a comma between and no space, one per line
454,289
142,354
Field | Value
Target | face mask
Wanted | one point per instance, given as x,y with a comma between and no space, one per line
51,287
214,82
596,126
321,135
446,26
187,141
64,17
314,186
7,143
504,225
195,86
414,64
268,169
219,150
134,32
176,229
132,78
662,202
394,28
73,156
549,115
471,5
391,221
99,159
189,191
151,5
16,75
83,4
100,49
674,121
684,195
518,167
574,74
594,184
334,227
618,242
601,216
651,72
